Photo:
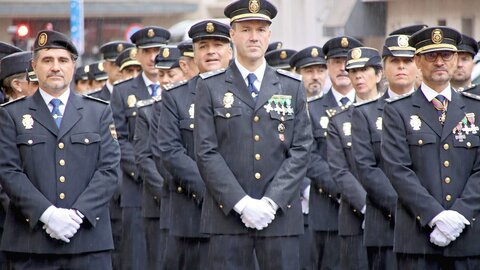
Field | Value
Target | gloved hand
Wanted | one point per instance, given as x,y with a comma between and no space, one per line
62,223
450,223
257,214
438,238
304,199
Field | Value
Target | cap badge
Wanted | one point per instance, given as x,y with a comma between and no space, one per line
166,53
210,28
42,39
254,6
437,36
344,42
86,69
314,52
283,55
228,100
356,53
402,41
150,33
133,53
27,121
100,66
119,47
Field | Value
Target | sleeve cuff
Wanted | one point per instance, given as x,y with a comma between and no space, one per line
271,202
46,215
240,205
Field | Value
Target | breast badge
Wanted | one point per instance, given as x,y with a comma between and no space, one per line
415,122
228,100
347,129
131,101
27,121
324,122
191,111
379,123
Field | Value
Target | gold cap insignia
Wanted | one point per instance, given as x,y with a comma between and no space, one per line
86,69
254,6
437,36
119,47
42,39
314,52
150,33
344,42
131,101
228,100
27,121
210,28
166,53
283,55
100,66
133,53
402,41
356,53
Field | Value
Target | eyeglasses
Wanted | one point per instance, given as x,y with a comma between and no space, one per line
445,55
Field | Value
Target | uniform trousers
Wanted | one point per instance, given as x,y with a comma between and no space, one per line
134,248
185,253
116,221
437,262
382,258
326,250
84,261
153,241
353,254
306,246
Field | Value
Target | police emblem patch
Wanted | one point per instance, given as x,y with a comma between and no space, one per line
254,6
324,122
191,111
210,27
314,52
344,42
415,122
150,33
100,66
437,36
42,39
356,53
133,53
131,101
228,100
166,53
27,121
119,47
347,129
283,55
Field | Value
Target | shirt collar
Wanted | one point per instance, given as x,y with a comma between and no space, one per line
338,96
259,72
47,97
392,94
109,86
147,81
431,94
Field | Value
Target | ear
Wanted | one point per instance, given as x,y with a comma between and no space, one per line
379,75
16,85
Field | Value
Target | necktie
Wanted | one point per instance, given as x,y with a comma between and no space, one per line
441,104
344,101
253,90
57,115
154,88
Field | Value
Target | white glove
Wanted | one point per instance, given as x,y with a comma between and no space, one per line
304,199
61,223
450,223
257,214
438,238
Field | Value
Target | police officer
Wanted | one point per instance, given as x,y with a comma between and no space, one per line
124,98
430,147
252,142
58,213
167,61
280,58
80,79
6,49
14,75
187,62
128,64
187,248
276,45
97,76
462,77
310,63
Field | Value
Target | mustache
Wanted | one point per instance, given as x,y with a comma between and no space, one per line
54,74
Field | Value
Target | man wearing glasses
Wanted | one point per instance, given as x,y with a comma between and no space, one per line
431,151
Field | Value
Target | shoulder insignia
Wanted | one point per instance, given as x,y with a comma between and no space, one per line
145,102
470,95
12,101
319,96
157,98
122,81
289,74
95,91
209,74
393,99
331,112
171,86
366,102
471,87
95,98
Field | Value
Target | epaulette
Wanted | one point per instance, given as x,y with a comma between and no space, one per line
289,74
12,101
319,96
461,89
209,74
331,112
171,86
144,102
470,95
157,98
358,104
337,110
95,98
94,91
393,99
122,81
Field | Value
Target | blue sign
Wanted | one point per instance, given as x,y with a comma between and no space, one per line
77,25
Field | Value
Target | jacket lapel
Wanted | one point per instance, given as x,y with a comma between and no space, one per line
426,111
71,115
268,88
42,114
455,114
237,86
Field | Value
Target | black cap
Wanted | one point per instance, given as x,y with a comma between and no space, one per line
15,63
7,49
209,29
186,48
339,46
112,49
167,58
279,58
408,30
363,57
246,10
127,58
438,38
277,45
309,56
96,72
49,39
397,45
81,73
468,45
31,75
150,37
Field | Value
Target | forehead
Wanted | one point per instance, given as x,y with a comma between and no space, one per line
252,23
53,53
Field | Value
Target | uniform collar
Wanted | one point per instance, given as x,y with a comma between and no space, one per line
392,94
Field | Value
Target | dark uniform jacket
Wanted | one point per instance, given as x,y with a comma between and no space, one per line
323,192
433,168
103,93
152,180
381,197
124,98
244,150
344,173
32,151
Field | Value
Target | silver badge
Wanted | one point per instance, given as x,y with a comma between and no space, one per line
191,111
27,121
415,122
379,123
228,100
324,122
347,129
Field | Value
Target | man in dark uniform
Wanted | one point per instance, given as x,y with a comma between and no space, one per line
187,248
280,58
276,45
6,49
310,63
80,78
430,146
167,61
187,62
252,142
97,76
462,77
124,98
58,213
324,203
128,64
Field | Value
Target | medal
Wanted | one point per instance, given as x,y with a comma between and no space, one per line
27,121
281,137
415,122
227,100
347,129
281,128
191,111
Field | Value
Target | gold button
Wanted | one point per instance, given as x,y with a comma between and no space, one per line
132,174
389,216
354,210
228,115
256,138
329,195
325,134
420,142
446,163
154,197
87,141
194,195
134,113
448,180
258,176
62,196
349,144
320,190
30,142
97,218
469,144
446,146
289,206
221,206
61,162
27,220
61,179
256,119
448,198
179,189
258,157
473,219
418,218
192,126
61,145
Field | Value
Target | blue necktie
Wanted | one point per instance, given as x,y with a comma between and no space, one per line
154,88
253,90
344,101
57,115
